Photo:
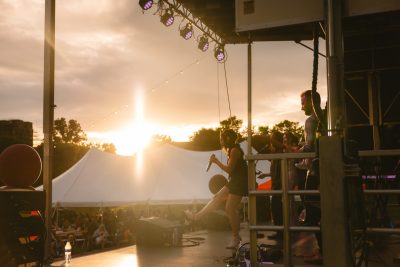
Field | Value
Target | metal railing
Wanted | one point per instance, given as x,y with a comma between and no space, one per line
285,192
381,153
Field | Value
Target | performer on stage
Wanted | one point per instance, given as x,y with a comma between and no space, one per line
232,192
313,210
310,128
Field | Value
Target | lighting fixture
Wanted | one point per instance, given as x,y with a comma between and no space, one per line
145,4
167,18
203,43
219,53
187,31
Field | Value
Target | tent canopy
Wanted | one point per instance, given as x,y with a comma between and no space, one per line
161,175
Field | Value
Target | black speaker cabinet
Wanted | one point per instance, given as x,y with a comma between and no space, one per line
155,231
22,228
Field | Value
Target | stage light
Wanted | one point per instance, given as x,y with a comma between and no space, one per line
187,31
203,43
146,4
219,53
167,18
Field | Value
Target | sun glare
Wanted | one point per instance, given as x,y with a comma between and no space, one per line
128,261
138,133
136,136
133,139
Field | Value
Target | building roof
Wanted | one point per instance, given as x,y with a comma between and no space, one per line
219,16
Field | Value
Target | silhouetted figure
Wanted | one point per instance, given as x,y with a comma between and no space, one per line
236,188
312,209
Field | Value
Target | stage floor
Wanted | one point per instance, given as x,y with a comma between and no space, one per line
209,252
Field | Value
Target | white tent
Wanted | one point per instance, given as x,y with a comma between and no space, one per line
165,174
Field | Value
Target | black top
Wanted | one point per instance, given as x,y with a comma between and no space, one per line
238,178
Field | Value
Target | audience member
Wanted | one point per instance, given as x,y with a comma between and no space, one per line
100,236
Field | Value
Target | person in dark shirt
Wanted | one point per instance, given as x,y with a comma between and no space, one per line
234,190
276,146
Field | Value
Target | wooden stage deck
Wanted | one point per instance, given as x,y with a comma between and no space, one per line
209,252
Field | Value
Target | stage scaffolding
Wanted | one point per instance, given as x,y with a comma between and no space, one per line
333,169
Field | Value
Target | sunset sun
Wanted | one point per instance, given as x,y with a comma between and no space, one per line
136,135
132,139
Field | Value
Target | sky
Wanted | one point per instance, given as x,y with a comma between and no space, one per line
123,75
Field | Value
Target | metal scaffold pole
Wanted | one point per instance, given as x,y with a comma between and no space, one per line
48,116
334,228
251,171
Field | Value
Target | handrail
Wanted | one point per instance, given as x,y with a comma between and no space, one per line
380,152
279,192
284,157
280,227
361,153
381,191
281,156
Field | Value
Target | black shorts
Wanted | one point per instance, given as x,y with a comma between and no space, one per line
238,187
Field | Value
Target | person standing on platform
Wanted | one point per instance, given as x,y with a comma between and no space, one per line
310,127
313,211
290,144
234,190
276,146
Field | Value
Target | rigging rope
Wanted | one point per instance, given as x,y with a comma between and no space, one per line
227,92
317,108
219,103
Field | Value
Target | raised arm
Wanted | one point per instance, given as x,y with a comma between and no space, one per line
233,159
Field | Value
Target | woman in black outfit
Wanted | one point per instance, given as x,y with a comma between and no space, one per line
234,190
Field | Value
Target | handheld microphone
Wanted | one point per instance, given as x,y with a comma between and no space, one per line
208,166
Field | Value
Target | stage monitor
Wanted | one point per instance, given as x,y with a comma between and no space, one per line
155,231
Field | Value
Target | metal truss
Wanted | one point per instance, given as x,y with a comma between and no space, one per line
178,8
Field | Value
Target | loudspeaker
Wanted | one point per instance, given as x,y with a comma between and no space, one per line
155,231
22,228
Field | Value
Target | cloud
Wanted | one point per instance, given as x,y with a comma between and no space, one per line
106,49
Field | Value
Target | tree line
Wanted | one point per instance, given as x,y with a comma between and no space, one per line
71,143
208,138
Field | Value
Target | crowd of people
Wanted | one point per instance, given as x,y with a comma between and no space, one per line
99,228
92,230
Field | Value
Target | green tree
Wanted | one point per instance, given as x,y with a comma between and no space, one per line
264,130
106,147
161,139
289,126
69,146
231,123
206,139
70,132
65,155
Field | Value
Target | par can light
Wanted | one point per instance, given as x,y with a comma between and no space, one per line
146,4
187,31
167,18
203,43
